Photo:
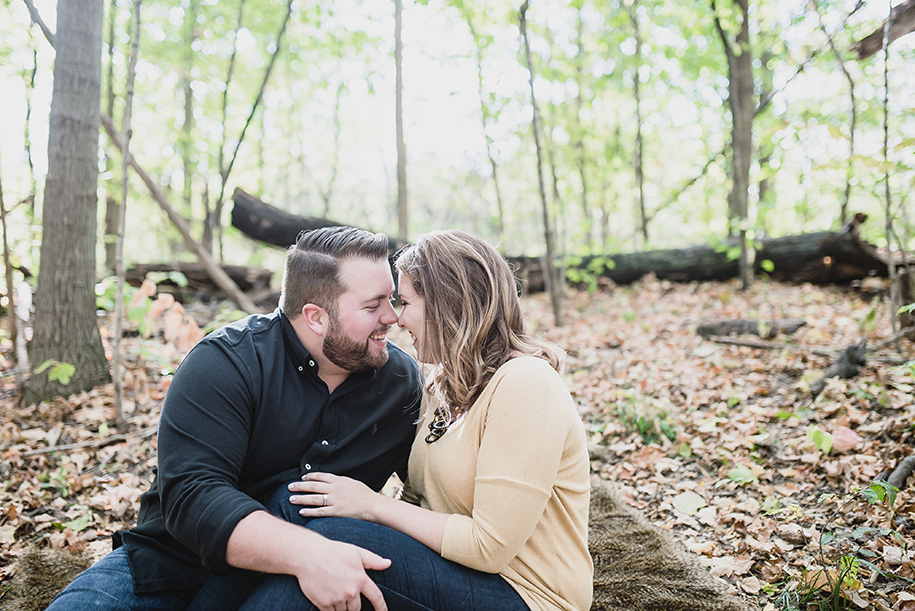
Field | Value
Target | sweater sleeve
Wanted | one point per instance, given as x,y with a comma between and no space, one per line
520,451
203,437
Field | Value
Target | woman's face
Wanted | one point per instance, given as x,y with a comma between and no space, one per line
413,318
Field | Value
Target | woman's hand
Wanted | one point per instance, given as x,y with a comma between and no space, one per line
323,494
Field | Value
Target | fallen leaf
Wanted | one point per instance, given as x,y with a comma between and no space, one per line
845,439
688,502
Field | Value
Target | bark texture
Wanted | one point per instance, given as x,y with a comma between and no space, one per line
66,329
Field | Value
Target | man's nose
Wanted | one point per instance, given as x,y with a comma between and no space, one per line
389,316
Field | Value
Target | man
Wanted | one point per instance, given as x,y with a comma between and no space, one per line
314,386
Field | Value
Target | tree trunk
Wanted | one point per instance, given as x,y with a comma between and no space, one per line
641,212
581,159
552,283
740,101
66,329
187,138
402,219
484,117
853,117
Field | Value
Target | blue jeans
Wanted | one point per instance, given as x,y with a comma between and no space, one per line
108,586
418,578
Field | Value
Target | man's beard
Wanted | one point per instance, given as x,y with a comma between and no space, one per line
348,354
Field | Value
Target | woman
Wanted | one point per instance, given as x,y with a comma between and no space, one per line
498,478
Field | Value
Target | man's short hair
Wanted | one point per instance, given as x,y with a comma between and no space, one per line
312,270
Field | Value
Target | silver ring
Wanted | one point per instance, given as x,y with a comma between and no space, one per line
325,500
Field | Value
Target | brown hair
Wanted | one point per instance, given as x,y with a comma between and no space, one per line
472,315
312,270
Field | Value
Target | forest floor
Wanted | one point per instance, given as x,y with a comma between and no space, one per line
720,444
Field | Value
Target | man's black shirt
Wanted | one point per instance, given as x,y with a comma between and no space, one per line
245,413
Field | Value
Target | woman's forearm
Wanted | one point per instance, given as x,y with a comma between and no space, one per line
427,527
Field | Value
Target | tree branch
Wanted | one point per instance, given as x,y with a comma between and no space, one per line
219,276
36,18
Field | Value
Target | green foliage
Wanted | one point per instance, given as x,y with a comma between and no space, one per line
226,315
829,586
77,524
640,414
589,274
820,438
57,371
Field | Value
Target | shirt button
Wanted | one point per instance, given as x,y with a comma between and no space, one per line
311,363
308,466
301,368
324,443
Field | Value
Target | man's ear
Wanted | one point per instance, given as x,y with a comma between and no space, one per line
316,318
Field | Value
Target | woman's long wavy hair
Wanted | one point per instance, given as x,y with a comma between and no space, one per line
473,320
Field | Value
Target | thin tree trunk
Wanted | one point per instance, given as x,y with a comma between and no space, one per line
765,202
65,328
111,204
740,101
119,419
219,276
852,120
21,368
209,215
763,105
485,116
33,183
224,175
402,218
187,142
888,201
587,219
327,192
550,270
641,212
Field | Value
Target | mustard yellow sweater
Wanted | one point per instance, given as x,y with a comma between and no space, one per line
514,474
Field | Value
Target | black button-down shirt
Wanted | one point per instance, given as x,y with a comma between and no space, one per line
245,413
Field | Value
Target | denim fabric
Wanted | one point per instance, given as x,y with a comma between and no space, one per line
417,580
108,586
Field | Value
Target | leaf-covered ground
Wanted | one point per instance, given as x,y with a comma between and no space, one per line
721,444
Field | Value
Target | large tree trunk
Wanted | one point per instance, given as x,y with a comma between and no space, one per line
66,329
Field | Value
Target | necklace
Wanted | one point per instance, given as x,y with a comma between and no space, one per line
437,427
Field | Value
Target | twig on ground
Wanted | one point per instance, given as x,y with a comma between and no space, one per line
96,443
902,472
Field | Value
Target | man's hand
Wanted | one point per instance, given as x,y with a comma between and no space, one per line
331,574
334,577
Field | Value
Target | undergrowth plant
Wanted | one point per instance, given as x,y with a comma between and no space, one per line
640,414
838,583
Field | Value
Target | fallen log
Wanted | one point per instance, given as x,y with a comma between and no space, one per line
903,23
823,258
252,281
761,328
265,223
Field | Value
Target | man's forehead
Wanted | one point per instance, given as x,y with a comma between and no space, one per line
366,279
